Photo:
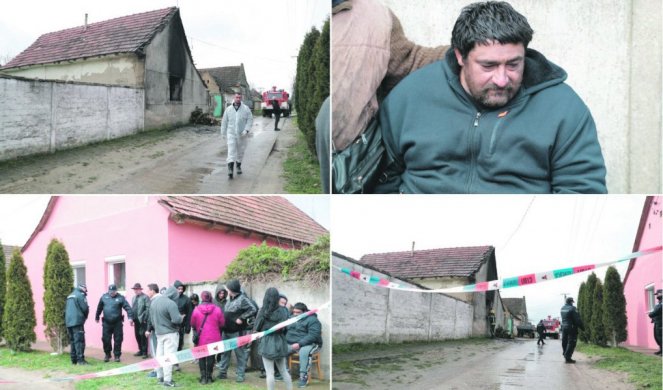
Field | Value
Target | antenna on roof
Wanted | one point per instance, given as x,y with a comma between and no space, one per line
412,254
85,28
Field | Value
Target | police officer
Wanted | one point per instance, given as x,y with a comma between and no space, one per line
111,303
570,323
655,316
276,109
75,315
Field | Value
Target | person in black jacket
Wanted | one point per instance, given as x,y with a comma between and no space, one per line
75,315
112,304
570,323
276,109
655,316
185,307
304,337
274,346
541,330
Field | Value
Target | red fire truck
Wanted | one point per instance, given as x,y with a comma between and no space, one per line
279,95
552,327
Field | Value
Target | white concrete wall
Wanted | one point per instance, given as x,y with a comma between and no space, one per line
611,50
313,297
369,314
45,116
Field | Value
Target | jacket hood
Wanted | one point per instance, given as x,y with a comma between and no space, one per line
219,287
206,307
172,293
539,73
179,284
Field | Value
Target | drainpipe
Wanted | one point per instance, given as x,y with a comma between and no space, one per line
85,28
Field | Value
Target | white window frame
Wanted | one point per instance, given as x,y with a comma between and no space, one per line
650,298
74,265
110,262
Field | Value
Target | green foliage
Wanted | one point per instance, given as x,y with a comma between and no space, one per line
267,263
301,169
596,323
582,304
58,282
312,80
643,370
614,307
3,288
588,308
19,321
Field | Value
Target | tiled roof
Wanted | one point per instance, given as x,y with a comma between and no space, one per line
268,215
516,306
126,34
431,263
227,77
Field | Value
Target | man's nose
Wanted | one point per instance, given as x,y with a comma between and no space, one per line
500,77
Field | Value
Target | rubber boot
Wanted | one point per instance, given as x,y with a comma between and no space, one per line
239,168
230,170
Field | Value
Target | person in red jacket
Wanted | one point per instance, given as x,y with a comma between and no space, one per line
207,320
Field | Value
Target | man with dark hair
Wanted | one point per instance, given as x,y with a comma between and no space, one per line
185,307
75,314
237,312
166,320
570,323
493,117
304,337
140,305
152,293
541,330
112,303
655,316
276,109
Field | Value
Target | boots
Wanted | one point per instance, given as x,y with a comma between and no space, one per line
239,168
230,170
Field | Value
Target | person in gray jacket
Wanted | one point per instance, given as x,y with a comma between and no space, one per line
75,315
112,304
140,306
165,319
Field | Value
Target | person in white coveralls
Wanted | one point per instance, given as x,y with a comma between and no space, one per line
235,126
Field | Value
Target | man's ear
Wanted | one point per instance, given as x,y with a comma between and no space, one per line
459,57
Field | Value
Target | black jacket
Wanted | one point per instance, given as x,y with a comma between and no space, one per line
238,307
184,306
273,345
112,308
540,328
570,318
76,309
655,315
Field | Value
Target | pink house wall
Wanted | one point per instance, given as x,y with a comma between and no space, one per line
94,228
647,270
197,254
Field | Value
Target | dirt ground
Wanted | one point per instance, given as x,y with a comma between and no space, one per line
471,364
187,160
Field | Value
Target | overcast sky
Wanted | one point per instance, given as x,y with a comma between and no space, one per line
264,35
20,214
529,233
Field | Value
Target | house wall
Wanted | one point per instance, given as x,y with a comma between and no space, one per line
625,38
165,55
368,314
118,69
92,229
647,270
45,116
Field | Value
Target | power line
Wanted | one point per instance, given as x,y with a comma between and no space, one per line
519,223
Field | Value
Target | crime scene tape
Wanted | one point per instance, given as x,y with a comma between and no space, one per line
515,281
198,352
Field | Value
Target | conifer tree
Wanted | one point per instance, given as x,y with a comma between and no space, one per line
19,321
58,282
588,308
320,88
3,288
582,304
614,307
596,324
305,84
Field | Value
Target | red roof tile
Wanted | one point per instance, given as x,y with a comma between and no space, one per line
126,34
268,215
431,263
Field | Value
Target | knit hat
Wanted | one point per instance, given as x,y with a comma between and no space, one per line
234,286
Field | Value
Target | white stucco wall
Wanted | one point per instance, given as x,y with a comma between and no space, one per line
611,50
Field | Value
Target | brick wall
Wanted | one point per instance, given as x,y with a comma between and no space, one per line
44,116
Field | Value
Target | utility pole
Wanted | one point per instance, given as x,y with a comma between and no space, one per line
565,294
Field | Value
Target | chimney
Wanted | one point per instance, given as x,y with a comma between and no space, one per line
85,28
412,254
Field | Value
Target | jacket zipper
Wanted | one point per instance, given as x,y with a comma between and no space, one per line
473,157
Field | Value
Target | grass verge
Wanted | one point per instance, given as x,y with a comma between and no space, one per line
301,169
643,370
57,367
